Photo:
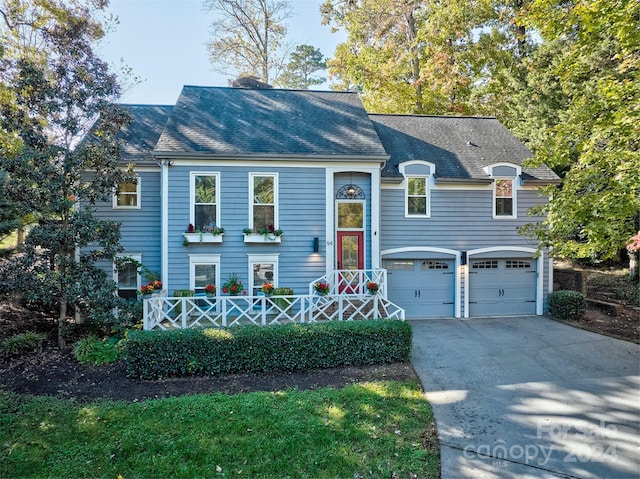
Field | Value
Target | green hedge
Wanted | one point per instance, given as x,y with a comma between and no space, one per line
567,305
291,347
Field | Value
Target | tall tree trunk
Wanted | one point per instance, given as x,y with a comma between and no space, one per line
62,324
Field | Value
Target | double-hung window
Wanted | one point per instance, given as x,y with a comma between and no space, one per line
127,195
263,192
204,270
205,214
503,197
263,269
417,179
417,197
127,277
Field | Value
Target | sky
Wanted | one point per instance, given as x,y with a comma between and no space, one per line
164,43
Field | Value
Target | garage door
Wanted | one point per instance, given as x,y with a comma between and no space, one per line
423,288
502,287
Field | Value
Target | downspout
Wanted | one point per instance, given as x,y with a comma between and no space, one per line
164,228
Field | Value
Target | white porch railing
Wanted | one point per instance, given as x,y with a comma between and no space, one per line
343,281
163,312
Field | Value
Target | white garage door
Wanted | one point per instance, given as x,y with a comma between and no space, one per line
502,287
424,288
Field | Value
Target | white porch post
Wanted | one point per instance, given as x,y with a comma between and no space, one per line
329,220
375,219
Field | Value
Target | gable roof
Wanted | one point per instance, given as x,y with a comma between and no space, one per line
237,122
140,136
459,147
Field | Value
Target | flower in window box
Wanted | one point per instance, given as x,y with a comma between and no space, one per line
267,289
210,289
191,228
322,287
213,229
372,287
270,231
153,287
233,286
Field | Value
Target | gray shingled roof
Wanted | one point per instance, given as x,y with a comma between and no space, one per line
264,122
141,135
458,146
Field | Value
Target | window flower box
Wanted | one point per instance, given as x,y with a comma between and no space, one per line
262,236
211,234
202,238
259,238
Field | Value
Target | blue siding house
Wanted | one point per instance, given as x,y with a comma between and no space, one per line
286,187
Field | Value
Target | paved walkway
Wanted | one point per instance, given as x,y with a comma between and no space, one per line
530,397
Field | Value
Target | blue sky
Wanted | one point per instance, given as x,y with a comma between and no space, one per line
163,41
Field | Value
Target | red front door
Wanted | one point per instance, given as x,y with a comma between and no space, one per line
350,258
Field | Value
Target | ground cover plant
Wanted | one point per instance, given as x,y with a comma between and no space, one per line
372,429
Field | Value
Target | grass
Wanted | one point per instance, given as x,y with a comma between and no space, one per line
377,430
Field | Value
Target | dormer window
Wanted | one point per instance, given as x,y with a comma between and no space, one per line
503,195
505,190
417,188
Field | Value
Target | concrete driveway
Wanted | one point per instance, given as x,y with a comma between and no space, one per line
530,397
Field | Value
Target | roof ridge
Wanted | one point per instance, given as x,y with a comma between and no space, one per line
456,117
148,104
218,87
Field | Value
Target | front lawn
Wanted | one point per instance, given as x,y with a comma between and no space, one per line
376,429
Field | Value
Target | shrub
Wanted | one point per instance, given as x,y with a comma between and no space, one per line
567,305
255,349
281,300
23,343
93,350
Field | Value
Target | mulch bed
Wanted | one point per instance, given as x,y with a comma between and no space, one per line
56,372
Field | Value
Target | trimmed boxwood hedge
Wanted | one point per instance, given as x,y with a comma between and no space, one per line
256,349
567,305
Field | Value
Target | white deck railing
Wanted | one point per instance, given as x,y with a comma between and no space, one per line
344,281
190,312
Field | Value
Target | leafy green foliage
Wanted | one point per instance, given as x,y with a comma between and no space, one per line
304,61
93,350
58,90
22,343
414,57
156,354
595,138
567,305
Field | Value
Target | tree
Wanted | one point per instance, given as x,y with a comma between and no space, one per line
248,37
596,138
409,56
304,61
59,87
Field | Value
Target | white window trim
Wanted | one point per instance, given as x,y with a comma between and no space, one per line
427,196
515,187
136,257
364,215
428,184
514,197
263,258
116,206
276,196
192,195
207,259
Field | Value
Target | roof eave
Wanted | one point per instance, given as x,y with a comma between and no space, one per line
481,181
267,156
541,182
